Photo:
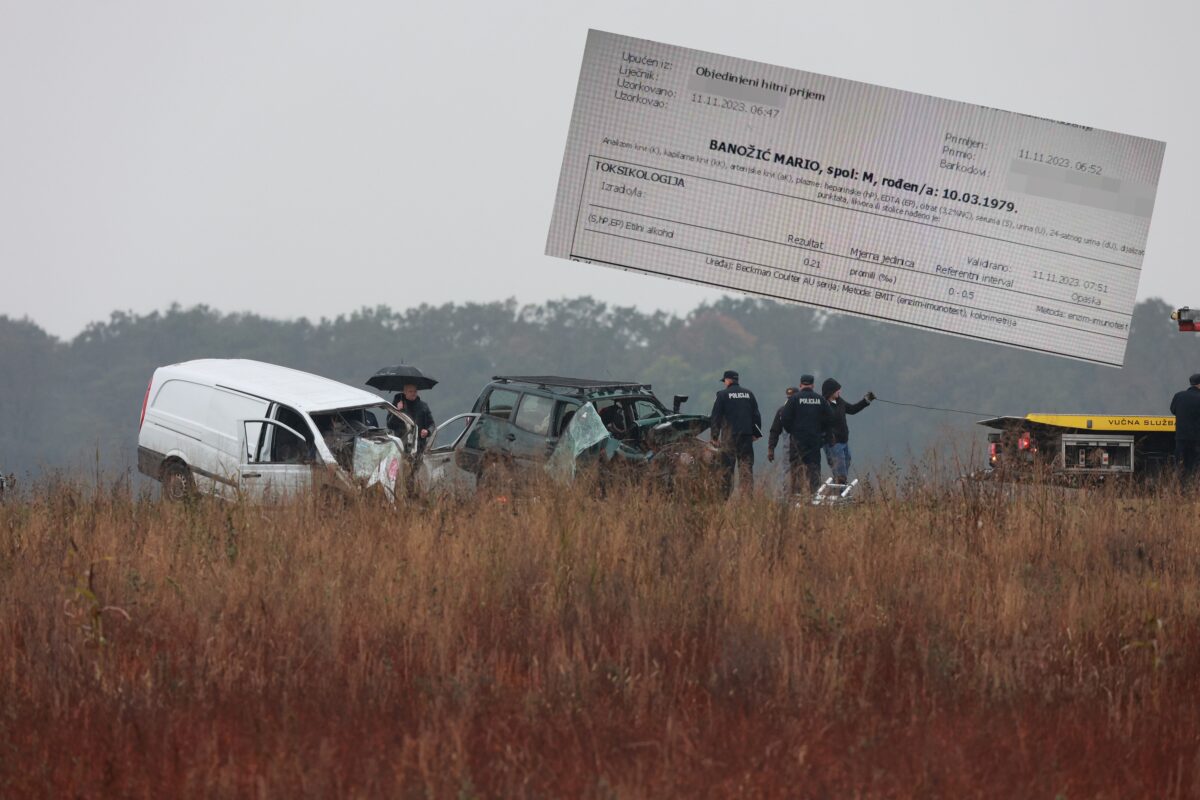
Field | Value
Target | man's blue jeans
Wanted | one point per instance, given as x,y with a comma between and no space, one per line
838,458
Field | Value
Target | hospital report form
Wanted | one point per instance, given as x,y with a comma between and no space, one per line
842,195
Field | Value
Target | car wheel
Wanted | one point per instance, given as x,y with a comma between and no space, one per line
332,499
177,483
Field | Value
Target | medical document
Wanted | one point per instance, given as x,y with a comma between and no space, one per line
842,195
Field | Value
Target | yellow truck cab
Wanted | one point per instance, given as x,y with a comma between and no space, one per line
1074,447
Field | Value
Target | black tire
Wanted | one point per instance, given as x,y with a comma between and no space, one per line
331,500
177,483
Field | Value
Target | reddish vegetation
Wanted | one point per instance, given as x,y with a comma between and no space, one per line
951,644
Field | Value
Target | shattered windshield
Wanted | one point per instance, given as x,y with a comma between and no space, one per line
342,429
585,430
626,417
353,420
378,460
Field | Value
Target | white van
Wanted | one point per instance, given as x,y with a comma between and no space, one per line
239,428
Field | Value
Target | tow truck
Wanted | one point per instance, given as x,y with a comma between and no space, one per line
1079,448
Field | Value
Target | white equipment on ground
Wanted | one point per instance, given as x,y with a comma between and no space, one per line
834,494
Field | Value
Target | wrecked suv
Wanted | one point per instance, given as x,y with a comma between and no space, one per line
562,425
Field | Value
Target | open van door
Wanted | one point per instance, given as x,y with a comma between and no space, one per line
277,461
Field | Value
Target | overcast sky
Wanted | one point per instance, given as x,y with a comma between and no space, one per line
308,159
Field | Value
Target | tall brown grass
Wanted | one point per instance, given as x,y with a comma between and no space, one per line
954,641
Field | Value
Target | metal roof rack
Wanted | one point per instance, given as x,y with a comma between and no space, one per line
580,385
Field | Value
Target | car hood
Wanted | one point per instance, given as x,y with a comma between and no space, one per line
672,428
586,437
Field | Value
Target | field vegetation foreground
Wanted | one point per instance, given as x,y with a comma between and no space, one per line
957,642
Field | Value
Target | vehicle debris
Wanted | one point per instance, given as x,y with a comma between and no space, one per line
562,425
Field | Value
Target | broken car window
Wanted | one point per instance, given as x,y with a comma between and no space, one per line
535,414
286,448
500,403
647,409
584,430
566,412
340,428
449,432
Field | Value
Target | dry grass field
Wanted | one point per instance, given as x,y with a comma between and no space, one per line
953,643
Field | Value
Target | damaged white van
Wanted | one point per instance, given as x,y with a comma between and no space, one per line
240,428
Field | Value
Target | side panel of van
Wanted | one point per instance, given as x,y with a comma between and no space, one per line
199,425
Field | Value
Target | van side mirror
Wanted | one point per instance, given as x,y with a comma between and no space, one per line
678,401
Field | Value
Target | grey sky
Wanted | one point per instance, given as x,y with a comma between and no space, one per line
312,158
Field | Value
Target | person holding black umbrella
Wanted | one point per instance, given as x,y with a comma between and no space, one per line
411,403
411,380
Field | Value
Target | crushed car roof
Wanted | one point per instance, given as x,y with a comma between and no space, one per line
579,385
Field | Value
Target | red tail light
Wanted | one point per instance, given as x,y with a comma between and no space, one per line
1025,442
993,452
145,400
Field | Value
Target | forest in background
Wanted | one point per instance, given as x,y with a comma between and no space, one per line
73,406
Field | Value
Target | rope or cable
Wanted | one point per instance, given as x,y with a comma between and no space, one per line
879,399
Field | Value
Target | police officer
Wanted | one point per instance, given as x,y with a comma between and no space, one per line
736,426
1185,406
837,454
807,418
777,425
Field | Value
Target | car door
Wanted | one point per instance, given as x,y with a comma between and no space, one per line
439,464
278,461
492,435
533,425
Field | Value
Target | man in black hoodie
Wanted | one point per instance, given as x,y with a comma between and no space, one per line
837,454
1185,406
411,403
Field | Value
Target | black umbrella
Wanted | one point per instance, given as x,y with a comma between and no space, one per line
394,379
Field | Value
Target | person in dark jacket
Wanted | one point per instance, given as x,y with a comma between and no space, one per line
410,403
777,426
736,425
806,418
1185,406
837,454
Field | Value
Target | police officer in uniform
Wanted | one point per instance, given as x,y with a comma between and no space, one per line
777,425
807,418
736,426
1185,406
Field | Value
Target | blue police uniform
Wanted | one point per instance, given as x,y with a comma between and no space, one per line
808,419
735,424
